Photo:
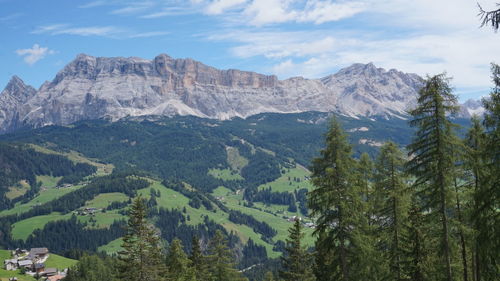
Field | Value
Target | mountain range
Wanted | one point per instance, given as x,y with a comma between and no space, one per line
113,88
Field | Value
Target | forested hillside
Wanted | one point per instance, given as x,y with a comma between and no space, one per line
247,180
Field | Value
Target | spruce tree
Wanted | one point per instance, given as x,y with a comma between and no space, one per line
296,261
365,177
179,267
141,257
199,261
336,203
487,195
221,260
432,154
392,208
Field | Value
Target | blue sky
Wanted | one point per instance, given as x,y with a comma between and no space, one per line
310,38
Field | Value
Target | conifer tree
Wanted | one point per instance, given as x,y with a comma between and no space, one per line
487,195
221,260
141,258
415,251
178,265
432,154
199,261
392,208
337,205
296,261
365,177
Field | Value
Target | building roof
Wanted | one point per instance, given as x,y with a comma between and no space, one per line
39,251
25,262
39,265
55,277
10,261
50,271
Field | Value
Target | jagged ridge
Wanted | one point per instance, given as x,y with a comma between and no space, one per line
99,87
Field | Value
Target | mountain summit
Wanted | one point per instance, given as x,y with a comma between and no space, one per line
113,88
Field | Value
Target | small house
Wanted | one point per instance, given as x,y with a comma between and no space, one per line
27,264
49,272
38,253
10,264
39,267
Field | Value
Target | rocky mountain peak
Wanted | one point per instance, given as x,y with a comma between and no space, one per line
18,89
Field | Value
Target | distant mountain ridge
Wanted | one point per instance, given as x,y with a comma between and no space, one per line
113,88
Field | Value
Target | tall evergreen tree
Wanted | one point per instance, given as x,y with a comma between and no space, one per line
392,208
432,153
365,177
296,261
199,261
179,267
337,205
141,258
487,196
221,260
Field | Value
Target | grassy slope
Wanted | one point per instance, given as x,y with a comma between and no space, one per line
102,169
112,247
104,199
43,197
287,183
19,190
225,174
22,229
59,262
48,181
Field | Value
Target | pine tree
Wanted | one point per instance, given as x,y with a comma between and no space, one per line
178,265
141,258
415,251
475,163
221,260
296,261
487,196
365,172
432,151
337,205
392,208
199,261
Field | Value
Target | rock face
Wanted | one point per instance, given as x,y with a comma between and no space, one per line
471,108
98,87
12,98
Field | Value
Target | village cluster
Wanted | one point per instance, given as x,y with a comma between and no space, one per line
32,263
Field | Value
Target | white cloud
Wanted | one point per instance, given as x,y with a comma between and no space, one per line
34,54
58,29
134,7
264,12
219,6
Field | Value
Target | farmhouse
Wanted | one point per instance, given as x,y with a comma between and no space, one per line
10,264
27,264
38,254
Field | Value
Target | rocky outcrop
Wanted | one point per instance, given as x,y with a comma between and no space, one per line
12,98
99,87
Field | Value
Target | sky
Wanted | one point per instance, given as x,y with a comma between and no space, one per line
309,38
